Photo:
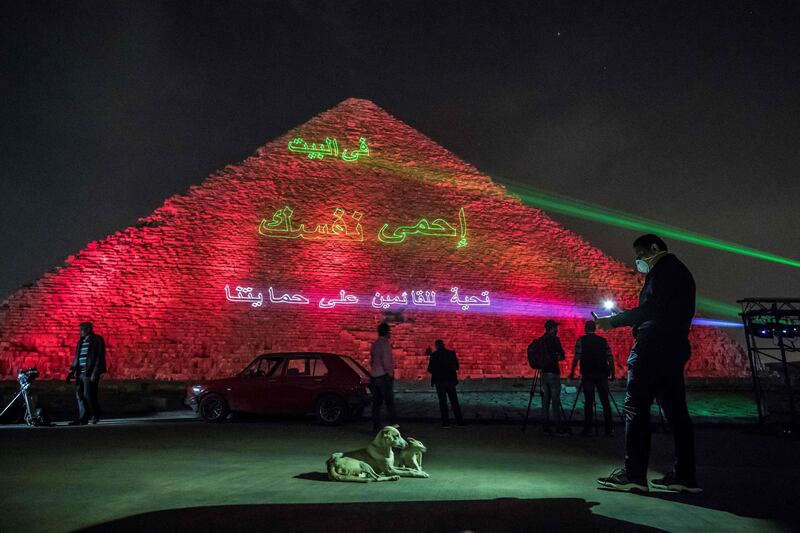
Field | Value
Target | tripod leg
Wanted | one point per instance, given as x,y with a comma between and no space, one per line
530,401
596,420
616,406
577,395
14,399
661,417
28,411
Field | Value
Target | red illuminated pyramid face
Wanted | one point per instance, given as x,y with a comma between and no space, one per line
349,220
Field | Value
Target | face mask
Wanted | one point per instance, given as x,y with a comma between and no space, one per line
643,266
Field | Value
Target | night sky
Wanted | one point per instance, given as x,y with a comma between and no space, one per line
686,114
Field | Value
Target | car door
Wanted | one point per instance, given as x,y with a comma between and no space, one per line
304,378
259,386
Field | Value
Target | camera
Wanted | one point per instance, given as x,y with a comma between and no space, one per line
27,376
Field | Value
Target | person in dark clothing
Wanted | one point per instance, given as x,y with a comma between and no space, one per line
551,379
87,366
382,377
661,325
594,355
443,367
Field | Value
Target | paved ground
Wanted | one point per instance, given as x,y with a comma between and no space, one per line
268,475
708,407
710,401
483,400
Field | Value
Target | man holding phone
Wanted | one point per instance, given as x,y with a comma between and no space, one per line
661,325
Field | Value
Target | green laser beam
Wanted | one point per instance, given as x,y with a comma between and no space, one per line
715,307
558,204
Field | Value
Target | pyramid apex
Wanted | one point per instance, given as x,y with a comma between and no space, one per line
362,104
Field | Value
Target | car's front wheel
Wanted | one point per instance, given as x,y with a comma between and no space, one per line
213,408
331,409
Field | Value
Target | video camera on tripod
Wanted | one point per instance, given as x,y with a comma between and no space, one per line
33,416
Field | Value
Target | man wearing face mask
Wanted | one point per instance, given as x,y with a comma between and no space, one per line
661,325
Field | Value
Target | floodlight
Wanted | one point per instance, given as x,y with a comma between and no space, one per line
762,331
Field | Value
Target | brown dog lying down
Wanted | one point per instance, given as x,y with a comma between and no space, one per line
376,462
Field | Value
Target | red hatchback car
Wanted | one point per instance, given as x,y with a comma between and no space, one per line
334,387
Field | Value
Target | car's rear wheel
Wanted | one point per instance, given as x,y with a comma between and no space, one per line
213,408
331,409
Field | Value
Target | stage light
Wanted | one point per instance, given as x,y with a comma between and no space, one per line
786,331
762,331
609,305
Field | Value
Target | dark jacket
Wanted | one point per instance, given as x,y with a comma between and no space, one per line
95,359
443,366
666,302
555,352
593,353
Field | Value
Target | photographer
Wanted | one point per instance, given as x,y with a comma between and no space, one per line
551,378
661,325
594,355
443,368
382,377
87,366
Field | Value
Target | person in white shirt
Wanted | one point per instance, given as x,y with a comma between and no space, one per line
382,377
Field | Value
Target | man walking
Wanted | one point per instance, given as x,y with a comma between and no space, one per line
594,355
661,325
443,367
551,378
382,377
87,366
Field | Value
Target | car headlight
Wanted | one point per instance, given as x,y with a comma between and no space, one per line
197,389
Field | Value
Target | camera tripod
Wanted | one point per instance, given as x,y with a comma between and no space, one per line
31,417
537,379
578,395
616,407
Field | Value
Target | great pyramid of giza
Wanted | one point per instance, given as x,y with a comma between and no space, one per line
345,221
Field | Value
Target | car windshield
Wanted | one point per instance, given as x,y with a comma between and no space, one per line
352,363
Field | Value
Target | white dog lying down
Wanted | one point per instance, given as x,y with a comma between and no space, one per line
376,462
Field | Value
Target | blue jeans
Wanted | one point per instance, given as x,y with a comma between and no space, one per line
551,394
86,394
382,391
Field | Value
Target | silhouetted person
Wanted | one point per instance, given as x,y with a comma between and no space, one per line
382,377
443,367
551,379
87,366
597,363
661,325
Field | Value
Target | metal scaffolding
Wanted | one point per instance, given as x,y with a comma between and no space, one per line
772,332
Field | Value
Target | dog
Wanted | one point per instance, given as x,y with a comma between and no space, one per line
378,456
341,468
411,455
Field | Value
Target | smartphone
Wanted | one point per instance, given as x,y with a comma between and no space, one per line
594,315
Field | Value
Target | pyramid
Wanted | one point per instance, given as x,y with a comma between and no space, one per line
348,220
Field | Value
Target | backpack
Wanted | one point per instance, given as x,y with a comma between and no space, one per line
537,354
